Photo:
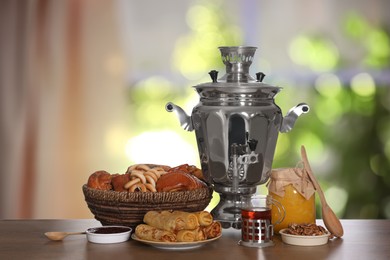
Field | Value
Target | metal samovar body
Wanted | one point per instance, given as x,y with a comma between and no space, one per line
236,123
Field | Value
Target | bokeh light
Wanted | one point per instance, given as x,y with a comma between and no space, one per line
201,18
313,143
355,25
115,138
314,52
328,85
196,52
337,198
363,85
329,110
283,145
377,43
161,147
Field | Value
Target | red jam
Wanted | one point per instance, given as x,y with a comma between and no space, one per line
108,230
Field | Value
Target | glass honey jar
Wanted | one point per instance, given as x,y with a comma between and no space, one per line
294,190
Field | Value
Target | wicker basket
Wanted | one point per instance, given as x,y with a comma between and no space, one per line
129,208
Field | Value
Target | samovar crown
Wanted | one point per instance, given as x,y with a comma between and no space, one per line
237,60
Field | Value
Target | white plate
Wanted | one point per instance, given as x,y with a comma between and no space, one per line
303,240
175,245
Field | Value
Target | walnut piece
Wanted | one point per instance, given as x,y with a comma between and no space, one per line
306,230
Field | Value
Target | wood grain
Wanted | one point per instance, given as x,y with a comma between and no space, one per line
25,239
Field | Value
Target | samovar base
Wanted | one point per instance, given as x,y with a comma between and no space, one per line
228,210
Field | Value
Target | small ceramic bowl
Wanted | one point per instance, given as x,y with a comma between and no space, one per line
303,240
108,234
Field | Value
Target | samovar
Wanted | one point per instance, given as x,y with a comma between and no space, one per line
236,123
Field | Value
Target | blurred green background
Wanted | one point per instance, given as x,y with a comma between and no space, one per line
346,133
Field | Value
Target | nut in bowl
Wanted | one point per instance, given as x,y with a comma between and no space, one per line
305,235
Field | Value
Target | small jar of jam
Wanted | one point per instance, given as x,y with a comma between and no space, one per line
294,190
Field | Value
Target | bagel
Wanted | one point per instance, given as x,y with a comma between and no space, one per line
152,175
131,183
150,180
138,187
156,172
150,187
138,174
143,167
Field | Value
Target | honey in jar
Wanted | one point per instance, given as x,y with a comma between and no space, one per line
294,190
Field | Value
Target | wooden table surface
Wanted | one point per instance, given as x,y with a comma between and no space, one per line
24,239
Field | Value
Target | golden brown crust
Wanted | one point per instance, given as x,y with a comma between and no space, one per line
154,178
191,169
186,235
138,187
213,230
150,233
178,226
118,182
172,221
178,181
205,218
100,180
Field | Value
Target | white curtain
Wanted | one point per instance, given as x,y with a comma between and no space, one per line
62,78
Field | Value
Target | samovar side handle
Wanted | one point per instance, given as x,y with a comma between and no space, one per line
292,115
184,119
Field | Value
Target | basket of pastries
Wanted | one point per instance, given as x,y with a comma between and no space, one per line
124,199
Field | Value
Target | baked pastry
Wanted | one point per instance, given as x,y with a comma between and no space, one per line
213,230
143,177
172,221
204,218
178,181
100,180
178,226
149,178
192,235
150,233
191,169
118,181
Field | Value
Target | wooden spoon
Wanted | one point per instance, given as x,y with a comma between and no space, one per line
331,221
57,236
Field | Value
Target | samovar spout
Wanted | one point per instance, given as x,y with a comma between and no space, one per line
292,116
184,119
